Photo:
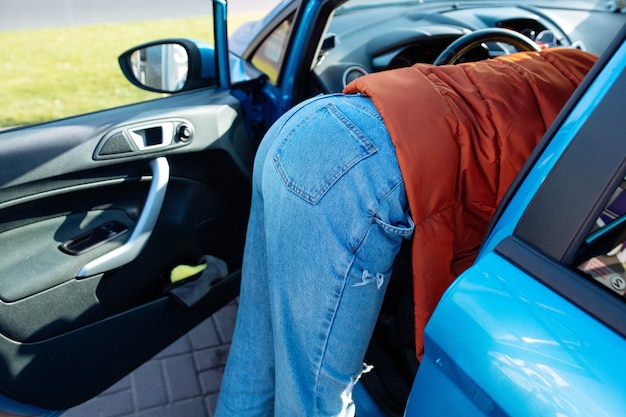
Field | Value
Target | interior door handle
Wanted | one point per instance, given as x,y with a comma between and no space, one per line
140,235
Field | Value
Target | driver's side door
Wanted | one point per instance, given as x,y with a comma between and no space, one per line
96,211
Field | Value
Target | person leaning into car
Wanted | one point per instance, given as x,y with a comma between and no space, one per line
340,180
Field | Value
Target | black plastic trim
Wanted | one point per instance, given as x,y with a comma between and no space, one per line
195,78
59,373
572,196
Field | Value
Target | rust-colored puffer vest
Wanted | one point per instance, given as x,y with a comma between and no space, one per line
462,133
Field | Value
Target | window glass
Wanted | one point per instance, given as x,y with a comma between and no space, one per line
607,245
269,56
60,64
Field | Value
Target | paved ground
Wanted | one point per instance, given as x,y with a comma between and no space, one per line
181,381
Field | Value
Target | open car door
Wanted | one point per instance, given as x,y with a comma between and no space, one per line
95,212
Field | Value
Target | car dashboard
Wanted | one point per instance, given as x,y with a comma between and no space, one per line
363,40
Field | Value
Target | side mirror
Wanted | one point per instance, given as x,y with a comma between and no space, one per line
170,65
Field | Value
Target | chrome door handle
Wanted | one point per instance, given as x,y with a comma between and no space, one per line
140,235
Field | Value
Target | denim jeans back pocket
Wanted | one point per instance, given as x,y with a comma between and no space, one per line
319,150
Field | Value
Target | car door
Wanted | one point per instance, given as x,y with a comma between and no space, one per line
536,325
96,211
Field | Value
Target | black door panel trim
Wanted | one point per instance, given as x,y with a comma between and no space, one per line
41,297
68,145
156,135
59,373
570,199
32,261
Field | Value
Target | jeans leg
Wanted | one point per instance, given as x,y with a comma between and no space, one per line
248,385
333,213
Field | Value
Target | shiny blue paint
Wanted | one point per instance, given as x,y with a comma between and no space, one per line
365,405
11,407
555,149
500,343
220,34
278,99
300,41
207,58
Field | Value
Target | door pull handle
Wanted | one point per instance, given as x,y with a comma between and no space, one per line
140,235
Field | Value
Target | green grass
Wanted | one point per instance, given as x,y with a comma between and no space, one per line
53,73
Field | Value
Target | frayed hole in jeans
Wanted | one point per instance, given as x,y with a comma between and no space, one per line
368,278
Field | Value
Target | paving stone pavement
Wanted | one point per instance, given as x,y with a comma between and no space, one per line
181,381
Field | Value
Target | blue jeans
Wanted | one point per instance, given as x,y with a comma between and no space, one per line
329,212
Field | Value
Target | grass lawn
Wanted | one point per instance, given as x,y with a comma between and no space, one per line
53,73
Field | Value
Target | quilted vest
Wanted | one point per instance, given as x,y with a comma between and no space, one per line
462,133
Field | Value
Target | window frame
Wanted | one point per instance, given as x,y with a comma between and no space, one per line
289,20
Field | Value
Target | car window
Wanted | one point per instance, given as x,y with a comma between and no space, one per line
608,237
269,56
58,67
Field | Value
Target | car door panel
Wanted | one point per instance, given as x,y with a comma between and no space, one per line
77,190
522,351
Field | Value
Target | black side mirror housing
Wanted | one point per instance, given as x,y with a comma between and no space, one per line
170,65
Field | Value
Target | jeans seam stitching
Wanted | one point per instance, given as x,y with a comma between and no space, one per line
327,335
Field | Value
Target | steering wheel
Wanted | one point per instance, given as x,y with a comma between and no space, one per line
459,47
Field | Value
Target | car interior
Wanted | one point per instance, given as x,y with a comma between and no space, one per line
400,36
